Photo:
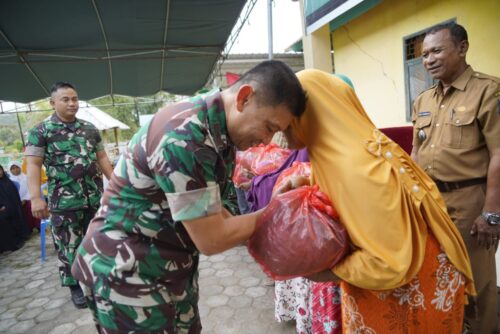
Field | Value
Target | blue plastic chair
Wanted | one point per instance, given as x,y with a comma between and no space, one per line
43,226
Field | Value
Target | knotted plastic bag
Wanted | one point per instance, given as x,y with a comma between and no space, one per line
298,234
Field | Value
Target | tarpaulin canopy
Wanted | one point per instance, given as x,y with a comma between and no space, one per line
128,47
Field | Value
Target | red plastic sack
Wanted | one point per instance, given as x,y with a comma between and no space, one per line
270,158
243,167
298,168
258,160
298,234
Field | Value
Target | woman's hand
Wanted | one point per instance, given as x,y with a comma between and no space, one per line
292,183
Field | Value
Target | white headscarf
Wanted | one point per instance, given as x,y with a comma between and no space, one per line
22,180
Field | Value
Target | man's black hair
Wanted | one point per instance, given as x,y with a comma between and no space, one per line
61,84
457,32
276,84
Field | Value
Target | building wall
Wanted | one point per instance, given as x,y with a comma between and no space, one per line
369,49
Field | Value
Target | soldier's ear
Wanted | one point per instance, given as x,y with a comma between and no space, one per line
242,95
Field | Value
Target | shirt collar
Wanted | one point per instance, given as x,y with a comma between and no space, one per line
55,119
460,83
216,116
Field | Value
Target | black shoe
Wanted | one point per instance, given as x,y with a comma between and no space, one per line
77,297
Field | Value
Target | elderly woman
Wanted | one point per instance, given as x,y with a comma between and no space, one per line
409,268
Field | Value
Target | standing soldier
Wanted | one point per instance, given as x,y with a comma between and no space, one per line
457,142
69,148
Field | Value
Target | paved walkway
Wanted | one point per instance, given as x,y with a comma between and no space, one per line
233,299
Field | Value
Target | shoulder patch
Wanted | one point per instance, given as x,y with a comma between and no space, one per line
480,75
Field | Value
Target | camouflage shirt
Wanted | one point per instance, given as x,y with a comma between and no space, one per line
178,167
69,156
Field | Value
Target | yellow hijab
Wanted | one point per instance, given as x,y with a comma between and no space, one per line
386,202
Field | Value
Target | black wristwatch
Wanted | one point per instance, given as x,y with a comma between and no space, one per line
491,218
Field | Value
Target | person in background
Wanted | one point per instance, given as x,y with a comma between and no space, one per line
17,175
408,268
43,177
72,151
169,200
13,228
456,141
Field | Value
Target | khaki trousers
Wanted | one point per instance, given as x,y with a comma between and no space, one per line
464,206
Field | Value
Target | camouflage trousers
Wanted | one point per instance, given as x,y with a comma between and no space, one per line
170,318
68,229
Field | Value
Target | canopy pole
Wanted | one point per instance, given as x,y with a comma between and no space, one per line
270,29
115,130
136,112
20,128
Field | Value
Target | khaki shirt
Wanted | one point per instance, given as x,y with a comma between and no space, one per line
460,127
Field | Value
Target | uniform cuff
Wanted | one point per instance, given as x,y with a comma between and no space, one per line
195,203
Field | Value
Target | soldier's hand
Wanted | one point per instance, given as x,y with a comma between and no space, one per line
487,235
39,208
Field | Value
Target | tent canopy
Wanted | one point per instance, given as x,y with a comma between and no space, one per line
128,47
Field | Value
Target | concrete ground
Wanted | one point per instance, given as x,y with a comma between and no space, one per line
233,298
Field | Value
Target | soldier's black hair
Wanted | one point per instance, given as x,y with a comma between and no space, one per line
457,32
60,84
276,84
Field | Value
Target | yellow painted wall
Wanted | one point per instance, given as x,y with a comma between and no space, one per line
369,49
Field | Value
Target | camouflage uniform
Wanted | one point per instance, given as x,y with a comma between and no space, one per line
75,183
137,258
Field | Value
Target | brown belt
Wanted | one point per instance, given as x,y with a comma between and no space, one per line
450,186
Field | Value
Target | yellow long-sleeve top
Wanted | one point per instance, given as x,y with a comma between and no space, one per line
386,202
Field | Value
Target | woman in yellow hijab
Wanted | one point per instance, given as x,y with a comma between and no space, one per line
409,268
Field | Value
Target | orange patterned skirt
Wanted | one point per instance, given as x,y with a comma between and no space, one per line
433,302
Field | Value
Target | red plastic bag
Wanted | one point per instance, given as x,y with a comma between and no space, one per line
243,167
298,234
270,158
298,168
258,160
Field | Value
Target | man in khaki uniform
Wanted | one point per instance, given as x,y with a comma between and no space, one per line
457,142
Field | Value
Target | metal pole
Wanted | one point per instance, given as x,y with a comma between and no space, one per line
20,128
270,29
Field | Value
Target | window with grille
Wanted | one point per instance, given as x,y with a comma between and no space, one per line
416,77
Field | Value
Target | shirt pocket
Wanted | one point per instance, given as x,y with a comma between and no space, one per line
460,130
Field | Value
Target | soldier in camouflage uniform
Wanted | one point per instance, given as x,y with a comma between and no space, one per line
70,149
164,203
